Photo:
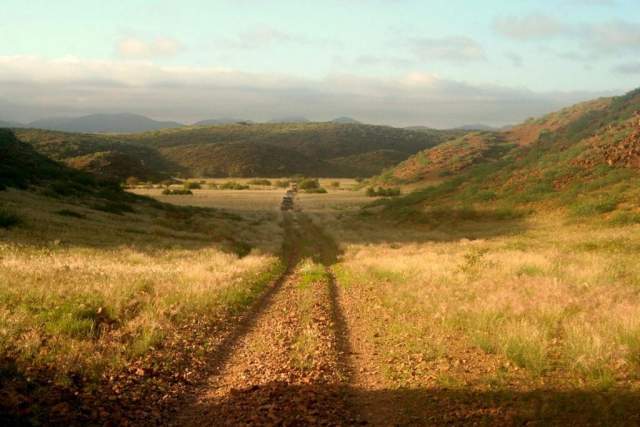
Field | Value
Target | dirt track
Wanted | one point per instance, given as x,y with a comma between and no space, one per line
288,363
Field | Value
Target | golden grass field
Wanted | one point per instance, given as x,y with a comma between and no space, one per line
544,304
93,291
513,306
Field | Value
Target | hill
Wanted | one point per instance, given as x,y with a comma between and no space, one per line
345,120
101,155
583,159
451,157
220,121
290,119
103,123
476,127
108,280
240,150
10,124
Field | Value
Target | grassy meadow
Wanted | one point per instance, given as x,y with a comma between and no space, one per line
539,303
84,291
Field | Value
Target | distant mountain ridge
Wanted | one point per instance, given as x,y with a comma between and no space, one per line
10,124
220,121
345,120
289,119
104,123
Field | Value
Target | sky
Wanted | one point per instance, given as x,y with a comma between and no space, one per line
396,62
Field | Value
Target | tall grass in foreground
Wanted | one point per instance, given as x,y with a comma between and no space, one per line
554,304
85,290
86,308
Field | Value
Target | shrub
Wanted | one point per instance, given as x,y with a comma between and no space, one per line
318,190
626,218
212,186
309,184
132,181
232,185
335,184
595,207
191,185
117,208
264,182
8,219
63,188
282,183
177,192
382,192
70,213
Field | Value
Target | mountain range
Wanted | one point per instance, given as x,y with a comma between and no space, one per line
133,123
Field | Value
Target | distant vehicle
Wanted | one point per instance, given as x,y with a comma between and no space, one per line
287,202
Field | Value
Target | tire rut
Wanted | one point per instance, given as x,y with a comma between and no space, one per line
288,363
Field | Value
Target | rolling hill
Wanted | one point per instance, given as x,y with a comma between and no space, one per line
220,121
240,150
345,120
584,159
10,124
103,123
100,155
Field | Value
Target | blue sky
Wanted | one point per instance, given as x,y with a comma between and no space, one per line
400,62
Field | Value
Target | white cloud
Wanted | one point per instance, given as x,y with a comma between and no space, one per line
263,36
136,48
39,87
628,68
454,49
594,40
515,59
530,27
612,36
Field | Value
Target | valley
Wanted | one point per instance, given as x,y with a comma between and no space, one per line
488,278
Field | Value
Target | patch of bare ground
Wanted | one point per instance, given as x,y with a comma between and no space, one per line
285,371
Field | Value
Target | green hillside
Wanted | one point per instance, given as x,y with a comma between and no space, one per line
241,150
584,159
103,155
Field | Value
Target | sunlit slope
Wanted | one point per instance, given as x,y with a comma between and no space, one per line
585,158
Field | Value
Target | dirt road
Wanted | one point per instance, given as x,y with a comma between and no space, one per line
288,363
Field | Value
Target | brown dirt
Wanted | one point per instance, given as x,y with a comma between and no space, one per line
267,376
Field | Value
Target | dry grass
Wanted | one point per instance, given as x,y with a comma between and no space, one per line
555,305
93,291
260,198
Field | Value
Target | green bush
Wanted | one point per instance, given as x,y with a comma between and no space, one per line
191,185
177,192
8,219
382,192
282,183
232,185
626,218
70,213
264,182
318,190
309,184
595,207
117,208
335,184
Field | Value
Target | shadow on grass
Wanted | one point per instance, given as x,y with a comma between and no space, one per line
326,404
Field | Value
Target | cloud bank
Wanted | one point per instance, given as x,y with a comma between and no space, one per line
33,87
